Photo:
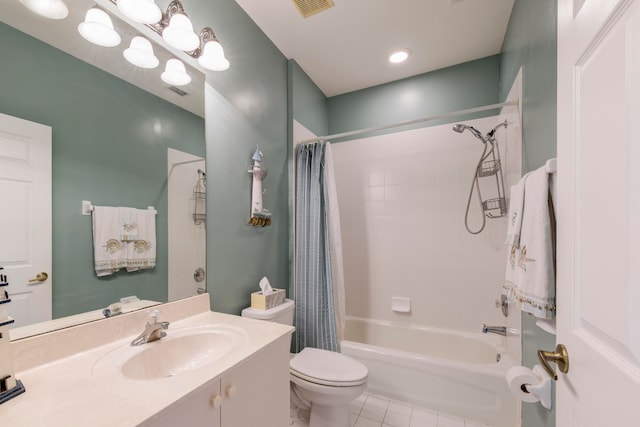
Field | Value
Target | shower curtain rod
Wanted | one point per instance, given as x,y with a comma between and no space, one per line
411,122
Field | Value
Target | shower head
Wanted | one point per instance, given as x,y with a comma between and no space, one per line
459,127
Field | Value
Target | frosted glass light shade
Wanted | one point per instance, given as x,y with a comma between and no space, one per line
175,74
52,9
140,53
98,28
212,57
142,11
179,33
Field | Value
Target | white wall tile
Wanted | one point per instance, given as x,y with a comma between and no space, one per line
403,199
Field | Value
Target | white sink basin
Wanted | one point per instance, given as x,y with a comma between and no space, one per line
183,350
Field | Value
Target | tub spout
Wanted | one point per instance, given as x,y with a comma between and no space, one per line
500,330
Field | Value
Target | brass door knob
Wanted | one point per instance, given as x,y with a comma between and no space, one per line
560,357
41,277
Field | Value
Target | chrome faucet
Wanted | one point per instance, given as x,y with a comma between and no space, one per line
500,330
153,331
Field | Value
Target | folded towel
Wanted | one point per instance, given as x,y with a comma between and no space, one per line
108,250
141,253
530,274
128,224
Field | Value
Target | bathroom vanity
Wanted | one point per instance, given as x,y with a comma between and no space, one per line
211,369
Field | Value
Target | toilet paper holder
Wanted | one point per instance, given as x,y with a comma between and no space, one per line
560,357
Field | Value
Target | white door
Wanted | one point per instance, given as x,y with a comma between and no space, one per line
598,285
25,217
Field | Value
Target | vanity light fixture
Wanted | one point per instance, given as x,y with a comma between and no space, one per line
175,73
399,56
140,53
141,11
52,9
98,28
211,54
179,33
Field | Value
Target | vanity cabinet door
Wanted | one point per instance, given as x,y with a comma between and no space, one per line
199,408
256,392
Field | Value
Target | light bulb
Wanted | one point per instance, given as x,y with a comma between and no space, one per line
179,33
140,53
52,9
399,56
142,11
175,73
98,28
212,57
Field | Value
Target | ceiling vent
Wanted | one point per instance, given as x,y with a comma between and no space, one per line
176,90
311,7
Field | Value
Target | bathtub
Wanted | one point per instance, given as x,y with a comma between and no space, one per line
457,373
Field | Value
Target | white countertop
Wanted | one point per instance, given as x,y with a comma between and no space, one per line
65,392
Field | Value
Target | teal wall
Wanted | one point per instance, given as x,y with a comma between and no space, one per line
530,43
463,86
307,104
104,150
246,106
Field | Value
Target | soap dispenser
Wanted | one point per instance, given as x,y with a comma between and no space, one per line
9,386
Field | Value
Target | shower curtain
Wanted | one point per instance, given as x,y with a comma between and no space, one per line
319,277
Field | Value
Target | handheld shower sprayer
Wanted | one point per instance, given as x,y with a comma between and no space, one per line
459,127
488,165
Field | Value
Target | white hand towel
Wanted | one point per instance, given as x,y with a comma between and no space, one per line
108,251
533,277
514,218
128,224
141,253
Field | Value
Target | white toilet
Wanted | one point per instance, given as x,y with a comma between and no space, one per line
327,380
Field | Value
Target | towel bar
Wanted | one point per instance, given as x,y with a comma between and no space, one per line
87,208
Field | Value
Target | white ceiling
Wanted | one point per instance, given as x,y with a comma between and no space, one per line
345,48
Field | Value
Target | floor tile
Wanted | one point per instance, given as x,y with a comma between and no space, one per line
367,422
400,407
379,401
425,415
396,419
374,412
445,420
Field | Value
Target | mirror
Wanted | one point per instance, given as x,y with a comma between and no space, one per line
120,137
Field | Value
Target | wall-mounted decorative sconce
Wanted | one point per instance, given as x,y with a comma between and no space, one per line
260,217
52,9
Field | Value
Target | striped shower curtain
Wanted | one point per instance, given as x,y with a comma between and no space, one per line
319,288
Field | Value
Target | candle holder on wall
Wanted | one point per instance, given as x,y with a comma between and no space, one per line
260,217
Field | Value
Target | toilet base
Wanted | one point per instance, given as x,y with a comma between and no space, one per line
330,416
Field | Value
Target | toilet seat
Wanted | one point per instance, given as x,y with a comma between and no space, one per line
328,368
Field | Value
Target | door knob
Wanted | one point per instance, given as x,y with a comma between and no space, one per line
41,277
560,357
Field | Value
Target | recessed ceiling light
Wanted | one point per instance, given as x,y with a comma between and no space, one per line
399,56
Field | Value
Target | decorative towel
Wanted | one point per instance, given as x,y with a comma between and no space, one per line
514,218
141,253
108,250
128,224
530,276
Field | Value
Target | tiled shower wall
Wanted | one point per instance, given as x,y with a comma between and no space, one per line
402,206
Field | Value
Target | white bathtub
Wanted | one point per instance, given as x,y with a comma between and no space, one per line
457,373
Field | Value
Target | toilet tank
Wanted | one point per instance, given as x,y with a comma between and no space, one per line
282,313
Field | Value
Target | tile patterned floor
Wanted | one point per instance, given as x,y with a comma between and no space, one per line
371,410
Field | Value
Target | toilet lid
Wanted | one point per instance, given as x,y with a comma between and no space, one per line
328,367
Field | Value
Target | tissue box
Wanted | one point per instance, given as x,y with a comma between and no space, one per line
265,302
